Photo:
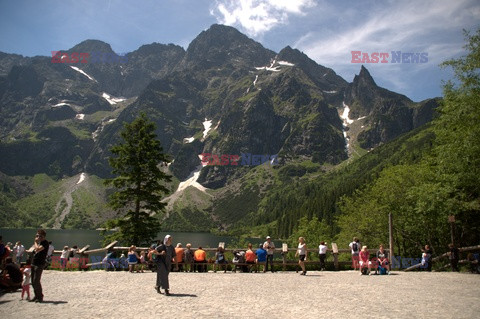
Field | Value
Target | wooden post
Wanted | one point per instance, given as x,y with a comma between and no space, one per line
82,254
390,236
335,255
284,255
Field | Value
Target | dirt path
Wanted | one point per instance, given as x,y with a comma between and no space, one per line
72,186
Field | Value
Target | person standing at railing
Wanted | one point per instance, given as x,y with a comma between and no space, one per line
64,258
19,250
322,254
355,248
269,246
133,258
302,254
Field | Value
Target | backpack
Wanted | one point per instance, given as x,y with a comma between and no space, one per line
355,247
188,256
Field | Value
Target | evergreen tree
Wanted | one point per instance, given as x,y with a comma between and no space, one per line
139,182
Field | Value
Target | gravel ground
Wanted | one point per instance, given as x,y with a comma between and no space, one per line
100,294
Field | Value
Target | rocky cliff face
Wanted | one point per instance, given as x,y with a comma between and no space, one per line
225,94
387,114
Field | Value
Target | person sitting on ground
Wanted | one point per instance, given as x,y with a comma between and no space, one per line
12,276
220,260
188,258
200,257
133,258
364,260
382,259
261,257
250,257
179,259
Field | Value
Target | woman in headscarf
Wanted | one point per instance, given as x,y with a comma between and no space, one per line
166,253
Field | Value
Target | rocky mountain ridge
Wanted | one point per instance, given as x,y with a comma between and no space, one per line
224,94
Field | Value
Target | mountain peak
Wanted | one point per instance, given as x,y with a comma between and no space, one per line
221,45
364,77
320,74
91,46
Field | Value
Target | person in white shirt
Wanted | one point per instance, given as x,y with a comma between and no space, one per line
355,247
269,246
19,250
50,249
64,257
302,254
322,254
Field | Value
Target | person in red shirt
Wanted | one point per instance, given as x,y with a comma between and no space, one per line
364,259
250,257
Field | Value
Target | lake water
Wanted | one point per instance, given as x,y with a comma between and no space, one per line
81,238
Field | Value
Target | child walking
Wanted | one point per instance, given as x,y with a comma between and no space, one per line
26,280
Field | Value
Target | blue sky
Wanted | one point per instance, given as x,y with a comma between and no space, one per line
327,31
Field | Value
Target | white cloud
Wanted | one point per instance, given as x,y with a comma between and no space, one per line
408,26
256,17
405,26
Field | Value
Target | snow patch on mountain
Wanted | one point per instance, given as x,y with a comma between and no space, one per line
61,104
275,66
207,125
82,178
82,72
286,63
112,100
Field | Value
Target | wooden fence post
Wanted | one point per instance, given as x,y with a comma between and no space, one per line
284,256
335,255
390,236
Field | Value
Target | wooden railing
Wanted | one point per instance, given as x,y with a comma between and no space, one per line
82,255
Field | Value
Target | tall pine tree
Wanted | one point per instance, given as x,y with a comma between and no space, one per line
139,183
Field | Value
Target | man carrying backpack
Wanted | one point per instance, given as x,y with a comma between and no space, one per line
355,248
